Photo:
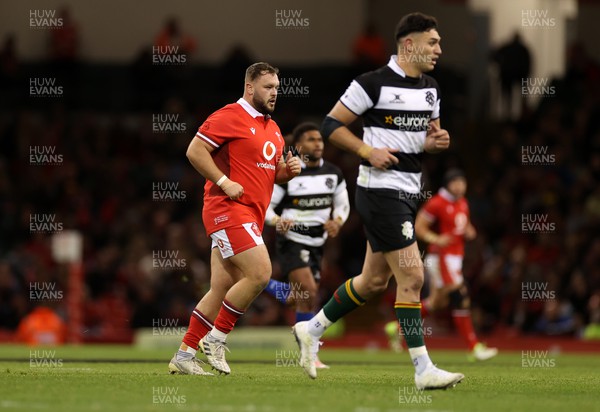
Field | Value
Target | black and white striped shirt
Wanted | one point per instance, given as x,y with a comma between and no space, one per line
396,110
310,199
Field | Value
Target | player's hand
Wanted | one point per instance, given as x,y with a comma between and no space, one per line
444,240
332,227
232,189
382,158
437,139
292,165
283,225
470,232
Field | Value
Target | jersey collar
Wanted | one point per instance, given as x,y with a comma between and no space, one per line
393,64
447,195
251,110
303,165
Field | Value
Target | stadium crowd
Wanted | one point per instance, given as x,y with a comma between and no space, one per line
122,179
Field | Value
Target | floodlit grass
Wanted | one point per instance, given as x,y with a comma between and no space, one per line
121,378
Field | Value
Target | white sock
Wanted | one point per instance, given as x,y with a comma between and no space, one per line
420,358
216,334
318,324
189,353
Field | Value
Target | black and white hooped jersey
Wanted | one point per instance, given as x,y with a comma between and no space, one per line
310,199
396,110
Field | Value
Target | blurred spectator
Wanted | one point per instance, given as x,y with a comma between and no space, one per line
368,50
42,327
171,36
236,62
64,40
9,66
514,62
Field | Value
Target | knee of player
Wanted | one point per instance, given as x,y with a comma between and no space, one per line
377,284
413,278
260,276
459,299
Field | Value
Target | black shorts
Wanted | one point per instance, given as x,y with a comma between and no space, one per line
388,217
292,255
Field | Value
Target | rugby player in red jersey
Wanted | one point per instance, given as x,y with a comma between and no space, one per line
444,222
239,150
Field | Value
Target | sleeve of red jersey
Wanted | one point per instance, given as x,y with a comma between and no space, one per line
217,129
430,209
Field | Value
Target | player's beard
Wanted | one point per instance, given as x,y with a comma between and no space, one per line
312,157
261,106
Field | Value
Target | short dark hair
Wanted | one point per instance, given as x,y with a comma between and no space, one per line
452,174
414,23
301,129
258,69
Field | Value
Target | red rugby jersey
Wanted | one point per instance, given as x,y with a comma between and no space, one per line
248,147
449,216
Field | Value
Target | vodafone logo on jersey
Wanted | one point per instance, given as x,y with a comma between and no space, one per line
269,152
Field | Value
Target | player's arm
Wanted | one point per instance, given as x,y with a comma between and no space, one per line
198,153
437,139
470,231
424,231
340,212
335,128
288,169
271,218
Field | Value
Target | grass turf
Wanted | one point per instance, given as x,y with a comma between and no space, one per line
118,378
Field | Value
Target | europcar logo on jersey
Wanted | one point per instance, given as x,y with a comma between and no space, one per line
269,151
168,55
44,19
291,19
409,122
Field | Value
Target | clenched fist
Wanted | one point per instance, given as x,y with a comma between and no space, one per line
292,165
232,189
437,139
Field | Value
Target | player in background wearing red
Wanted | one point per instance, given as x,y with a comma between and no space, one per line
444,222
238,149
